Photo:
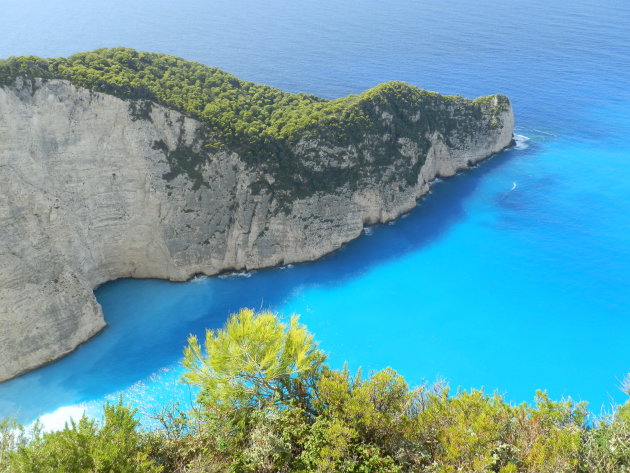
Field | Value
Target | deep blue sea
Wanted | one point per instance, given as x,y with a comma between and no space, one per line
513,277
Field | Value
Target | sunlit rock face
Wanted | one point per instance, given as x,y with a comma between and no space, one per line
91,192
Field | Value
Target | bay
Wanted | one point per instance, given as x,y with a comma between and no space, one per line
513,277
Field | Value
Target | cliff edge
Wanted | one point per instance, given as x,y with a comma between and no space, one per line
101,182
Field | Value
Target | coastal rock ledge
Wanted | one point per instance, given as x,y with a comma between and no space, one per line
93,190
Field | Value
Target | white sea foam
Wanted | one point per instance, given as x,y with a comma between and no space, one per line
243,274
198,279
58,419
368,231
522,141
544,132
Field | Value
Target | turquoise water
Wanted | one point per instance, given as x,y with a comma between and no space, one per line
513,277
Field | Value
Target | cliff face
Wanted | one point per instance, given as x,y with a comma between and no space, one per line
93,191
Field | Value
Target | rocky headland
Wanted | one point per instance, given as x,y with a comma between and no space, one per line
104,179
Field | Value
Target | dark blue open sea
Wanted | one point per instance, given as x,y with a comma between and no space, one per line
514,277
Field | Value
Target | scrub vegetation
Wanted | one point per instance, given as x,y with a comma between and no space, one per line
268,402
236,111
267,127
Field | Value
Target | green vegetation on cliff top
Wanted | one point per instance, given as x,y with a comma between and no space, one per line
263,124
232,108
269,403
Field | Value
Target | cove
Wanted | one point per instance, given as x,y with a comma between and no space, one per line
513,276
447,291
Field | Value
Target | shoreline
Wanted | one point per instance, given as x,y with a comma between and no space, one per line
228,273
135,223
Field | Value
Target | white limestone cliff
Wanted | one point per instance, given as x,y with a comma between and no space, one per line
84,200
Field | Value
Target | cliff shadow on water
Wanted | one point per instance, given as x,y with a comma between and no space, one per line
150,320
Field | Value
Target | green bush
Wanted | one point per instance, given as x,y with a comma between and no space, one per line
269,403
607,446
113,445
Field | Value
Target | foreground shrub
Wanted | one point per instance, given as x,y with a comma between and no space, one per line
268,403
114,445
607,446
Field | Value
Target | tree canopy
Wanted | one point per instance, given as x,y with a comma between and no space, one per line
256,361
237,112
267,127
231,107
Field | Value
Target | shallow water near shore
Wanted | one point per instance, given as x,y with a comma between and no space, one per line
512,277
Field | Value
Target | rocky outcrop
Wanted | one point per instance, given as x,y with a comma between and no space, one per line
89,193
